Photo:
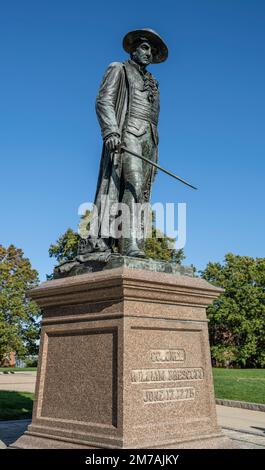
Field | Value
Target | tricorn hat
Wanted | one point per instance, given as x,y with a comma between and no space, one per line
160,50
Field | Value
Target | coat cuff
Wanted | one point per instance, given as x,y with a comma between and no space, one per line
107,135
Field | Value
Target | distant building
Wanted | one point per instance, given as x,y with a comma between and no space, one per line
9,360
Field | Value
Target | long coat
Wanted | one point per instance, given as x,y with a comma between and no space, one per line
112,105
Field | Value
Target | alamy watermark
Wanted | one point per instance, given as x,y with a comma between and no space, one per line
119,220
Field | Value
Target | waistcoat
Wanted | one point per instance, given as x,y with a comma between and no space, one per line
144,95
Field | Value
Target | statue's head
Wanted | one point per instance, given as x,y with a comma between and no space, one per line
142,52
145,46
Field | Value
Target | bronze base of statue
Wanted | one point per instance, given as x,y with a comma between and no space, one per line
93,262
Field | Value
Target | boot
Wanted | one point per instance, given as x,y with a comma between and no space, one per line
129,247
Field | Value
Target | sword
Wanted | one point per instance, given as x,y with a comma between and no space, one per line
124,149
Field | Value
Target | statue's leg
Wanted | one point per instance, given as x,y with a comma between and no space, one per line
149,150
132,173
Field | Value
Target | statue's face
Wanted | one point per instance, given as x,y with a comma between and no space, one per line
143,54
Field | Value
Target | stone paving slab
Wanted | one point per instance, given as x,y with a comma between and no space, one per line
245,440
247,421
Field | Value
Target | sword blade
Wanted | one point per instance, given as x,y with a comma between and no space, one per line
124,149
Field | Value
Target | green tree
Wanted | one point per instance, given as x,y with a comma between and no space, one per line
237,317
161,247
65,247
19,326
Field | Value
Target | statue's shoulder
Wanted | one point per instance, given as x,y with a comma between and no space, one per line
113,71
116,66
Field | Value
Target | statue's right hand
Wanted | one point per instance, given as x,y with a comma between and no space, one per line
112,142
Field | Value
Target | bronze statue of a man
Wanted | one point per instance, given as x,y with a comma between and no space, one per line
127,107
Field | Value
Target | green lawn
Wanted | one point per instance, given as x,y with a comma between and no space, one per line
15,405
17,369
240,384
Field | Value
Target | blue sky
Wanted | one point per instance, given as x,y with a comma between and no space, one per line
212,125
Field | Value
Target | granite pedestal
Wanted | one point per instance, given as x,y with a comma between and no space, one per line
124,363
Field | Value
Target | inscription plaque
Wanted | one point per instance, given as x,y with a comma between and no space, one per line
166,375
167,355
162,395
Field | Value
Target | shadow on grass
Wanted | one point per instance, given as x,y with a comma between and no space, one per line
15,405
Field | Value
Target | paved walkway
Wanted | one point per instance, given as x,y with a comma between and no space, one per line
11,430
244,420
18,382
246,427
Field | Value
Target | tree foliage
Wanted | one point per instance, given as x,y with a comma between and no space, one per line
65,248
237,317
19,327
162,248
